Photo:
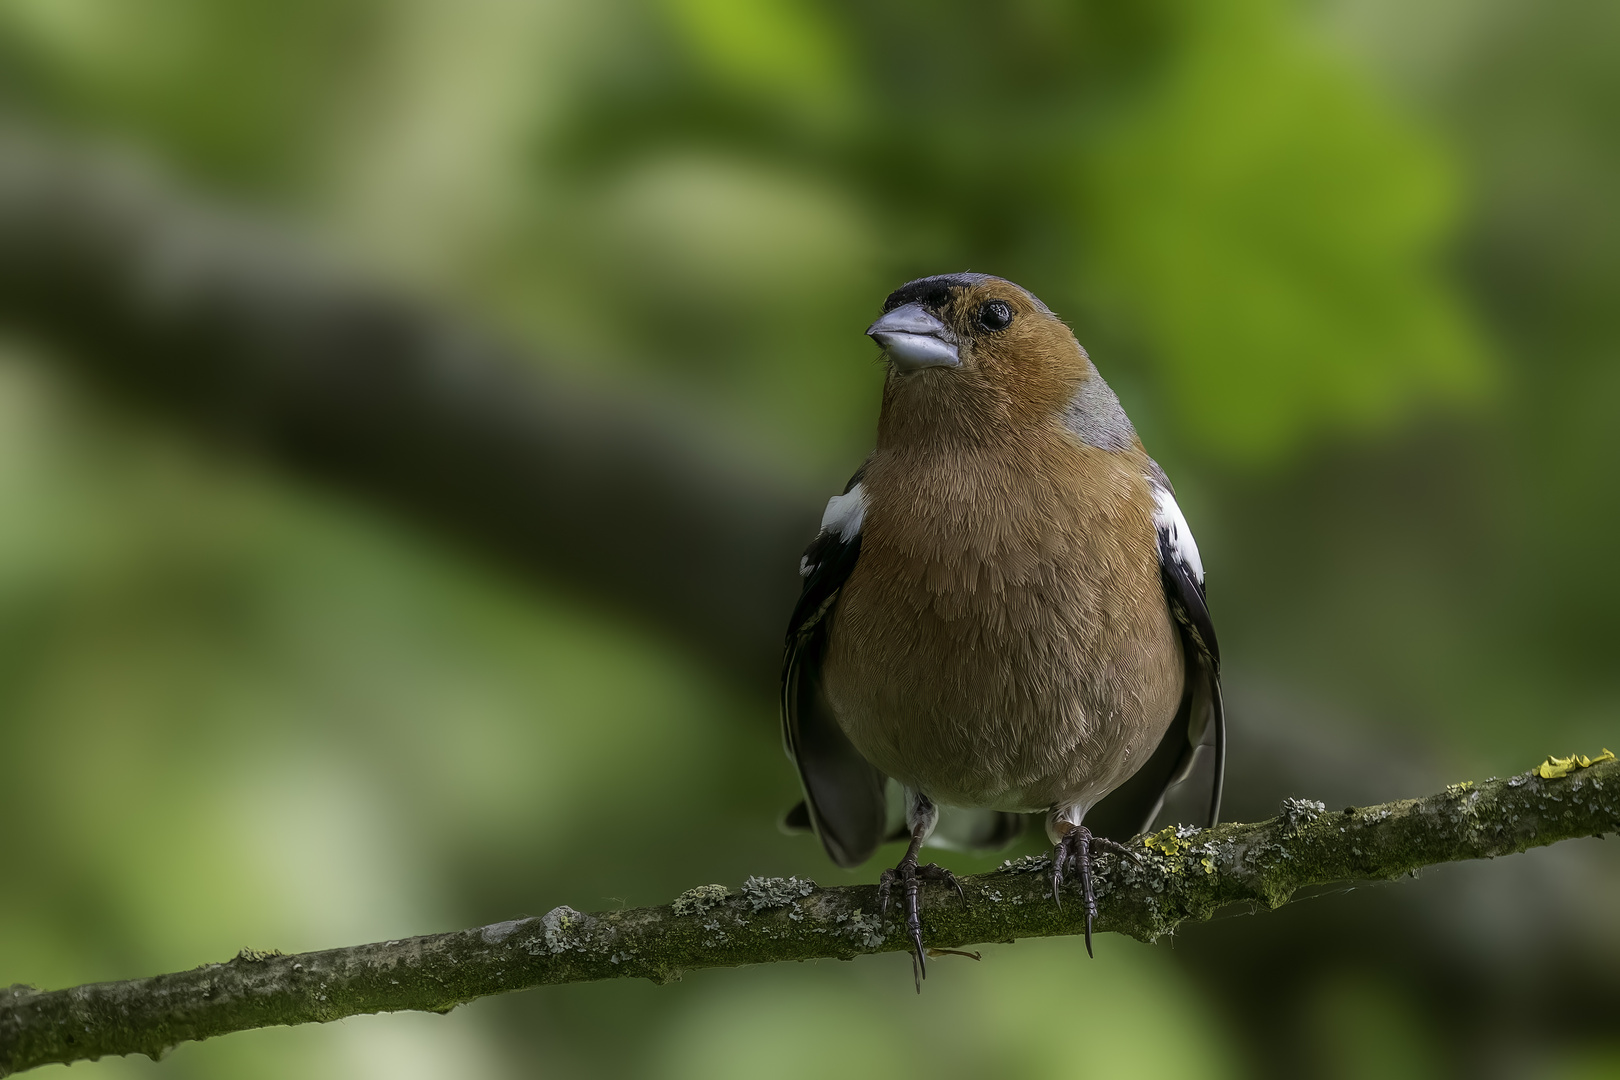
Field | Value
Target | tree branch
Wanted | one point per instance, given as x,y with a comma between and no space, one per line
1172,880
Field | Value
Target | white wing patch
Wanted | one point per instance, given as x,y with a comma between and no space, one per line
843,519
1172,525
845,513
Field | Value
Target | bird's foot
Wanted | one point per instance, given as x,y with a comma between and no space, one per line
909,877
1074,852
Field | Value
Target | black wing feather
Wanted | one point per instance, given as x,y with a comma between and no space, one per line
1202,698
843,792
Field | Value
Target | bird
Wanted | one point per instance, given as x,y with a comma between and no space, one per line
1004,611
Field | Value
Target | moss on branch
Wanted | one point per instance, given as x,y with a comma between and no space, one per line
1179,875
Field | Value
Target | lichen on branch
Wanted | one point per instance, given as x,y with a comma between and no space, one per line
1174,875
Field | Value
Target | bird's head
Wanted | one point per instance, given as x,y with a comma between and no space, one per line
977,350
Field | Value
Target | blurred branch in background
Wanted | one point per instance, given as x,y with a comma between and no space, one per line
225,324
1175,878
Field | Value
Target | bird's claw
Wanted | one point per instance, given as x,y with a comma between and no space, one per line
1075,851
910,876
1114,847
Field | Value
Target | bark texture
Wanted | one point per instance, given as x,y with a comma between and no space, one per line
1176,876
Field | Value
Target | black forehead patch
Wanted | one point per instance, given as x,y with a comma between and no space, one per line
935,292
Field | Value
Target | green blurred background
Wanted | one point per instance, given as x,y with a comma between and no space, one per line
1352,266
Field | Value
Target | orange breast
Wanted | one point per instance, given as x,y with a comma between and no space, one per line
1004,639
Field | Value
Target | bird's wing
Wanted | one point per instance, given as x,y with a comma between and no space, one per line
843,792
1196,739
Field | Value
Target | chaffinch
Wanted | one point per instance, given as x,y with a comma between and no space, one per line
1004,610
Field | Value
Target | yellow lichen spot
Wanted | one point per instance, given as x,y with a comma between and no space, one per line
1166,842
1209,864
1555,767
1460,788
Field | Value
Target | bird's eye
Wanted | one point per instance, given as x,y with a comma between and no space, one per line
995,315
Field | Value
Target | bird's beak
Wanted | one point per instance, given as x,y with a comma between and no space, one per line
915,339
